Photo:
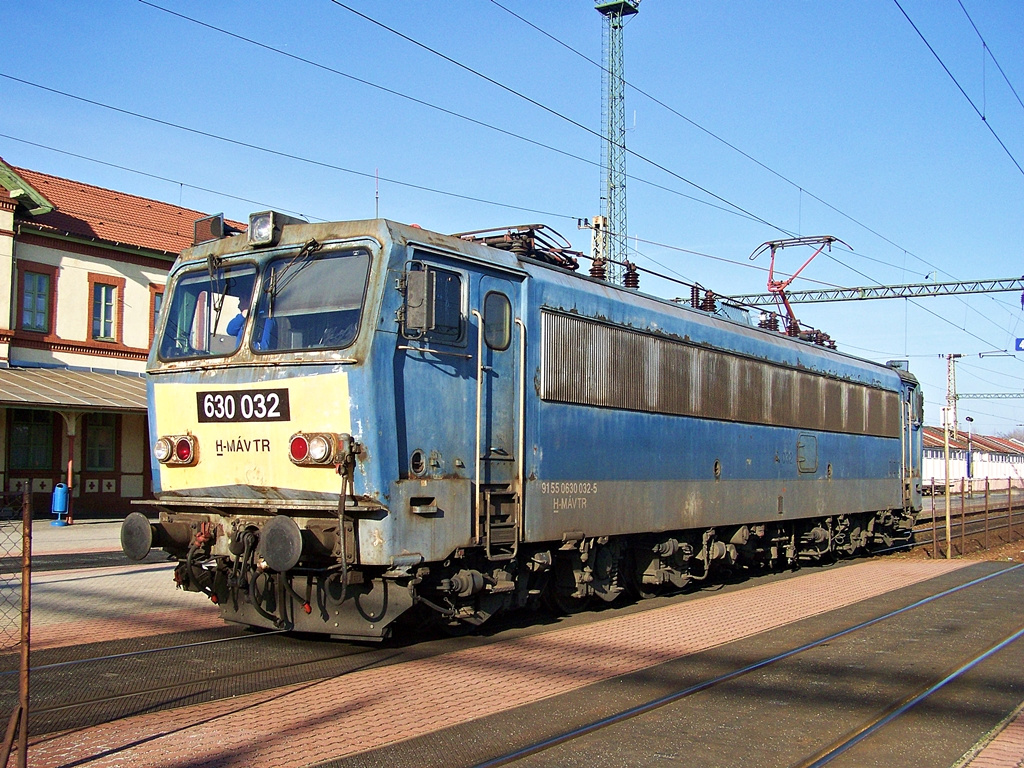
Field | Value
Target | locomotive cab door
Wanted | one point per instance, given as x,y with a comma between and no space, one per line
910,439
499,410
459,388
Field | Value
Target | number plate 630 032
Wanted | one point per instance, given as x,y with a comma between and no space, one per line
243,405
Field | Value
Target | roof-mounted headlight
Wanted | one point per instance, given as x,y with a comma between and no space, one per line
265,227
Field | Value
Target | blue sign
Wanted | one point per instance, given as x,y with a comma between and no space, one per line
1019,346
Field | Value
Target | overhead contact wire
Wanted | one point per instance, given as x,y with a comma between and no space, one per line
725,142
960,87
746,155
431,105
991,55
280,153
559,115
151,176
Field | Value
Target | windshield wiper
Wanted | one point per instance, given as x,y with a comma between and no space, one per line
216,295
276,283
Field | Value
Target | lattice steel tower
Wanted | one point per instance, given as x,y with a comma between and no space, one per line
613,108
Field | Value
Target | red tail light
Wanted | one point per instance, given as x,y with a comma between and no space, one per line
183,450
177,450
298,448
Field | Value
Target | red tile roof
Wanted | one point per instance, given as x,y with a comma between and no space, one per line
114,217
985,443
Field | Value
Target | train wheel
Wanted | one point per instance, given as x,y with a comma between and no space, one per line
607,562
562,595
858,541
637,562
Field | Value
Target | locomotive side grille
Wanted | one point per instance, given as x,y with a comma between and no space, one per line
809,400
586,362
834,401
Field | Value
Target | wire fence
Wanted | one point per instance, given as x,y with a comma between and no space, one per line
973,517
16,611
11,542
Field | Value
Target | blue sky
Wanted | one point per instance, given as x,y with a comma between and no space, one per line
854,128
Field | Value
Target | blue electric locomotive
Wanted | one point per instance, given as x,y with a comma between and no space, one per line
351,420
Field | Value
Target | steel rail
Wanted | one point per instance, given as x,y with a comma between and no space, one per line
202,681
909,702
144,651
641,709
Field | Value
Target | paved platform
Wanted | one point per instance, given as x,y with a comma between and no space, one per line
94,605
80,536
371,708
341,717
73,607
1004,748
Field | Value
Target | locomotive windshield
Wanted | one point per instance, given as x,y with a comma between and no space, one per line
311,301
201,312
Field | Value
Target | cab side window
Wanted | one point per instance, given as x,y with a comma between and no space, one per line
497,321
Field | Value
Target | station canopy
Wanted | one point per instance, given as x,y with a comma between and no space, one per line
60,389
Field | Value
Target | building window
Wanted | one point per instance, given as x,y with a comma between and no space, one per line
37,289
35,313
106,307
156,301
103,312
31,440
100,442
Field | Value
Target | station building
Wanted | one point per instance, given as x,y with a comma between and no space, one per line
82,273
973,459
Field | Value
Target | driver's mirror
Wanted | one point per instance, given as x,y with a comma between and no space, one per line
419,304
434,304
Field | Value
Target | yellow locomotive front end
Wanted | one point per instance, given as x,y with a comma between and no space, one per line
241,443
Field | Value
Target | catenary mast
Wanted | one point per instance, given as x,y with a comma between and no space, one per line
609,236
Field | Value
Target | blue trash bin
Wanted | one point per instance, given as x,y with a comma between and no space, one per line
59,503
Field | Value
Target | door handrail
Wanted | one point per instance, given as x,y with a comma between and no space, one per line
521,443
477,492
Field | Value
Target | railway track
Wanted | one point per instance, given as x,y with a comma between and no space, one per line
867,729
75,687
112,681
89,690
438,700
552,749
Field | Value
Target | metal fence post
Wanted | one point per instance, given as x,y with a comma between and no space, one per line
17,726
934,532
963,517
986,513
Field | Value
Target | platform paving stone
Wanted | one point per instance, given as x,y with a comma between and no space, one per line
99,604
83,536
1005,750
311,723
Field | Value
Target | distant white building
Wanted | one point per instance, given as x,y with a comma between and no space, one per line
997,459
